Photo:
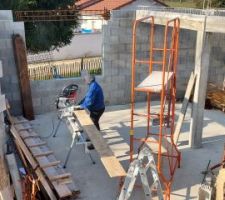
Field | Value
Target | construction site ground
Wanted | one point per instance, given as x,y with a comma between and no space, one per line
93,181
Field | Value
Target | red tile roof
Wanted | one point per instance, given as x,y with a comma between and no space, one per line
105,4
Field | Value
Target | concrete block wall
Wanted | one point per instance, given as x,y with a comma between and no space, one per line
117,40
116,52
10,83
217,63
44,93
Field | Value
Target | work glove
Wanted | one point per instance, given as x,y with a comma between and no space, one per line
78,107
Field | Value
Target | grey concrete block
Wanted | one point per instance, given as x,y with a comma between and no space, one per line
36,102
14,79
16,96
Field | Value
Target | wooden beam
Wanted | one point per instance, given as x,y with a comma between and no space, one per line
14,172
22,66
183,110
201,70
110,162
33,163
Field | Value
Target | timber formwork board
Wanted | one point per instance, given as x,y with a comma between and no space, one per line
108,159
57,183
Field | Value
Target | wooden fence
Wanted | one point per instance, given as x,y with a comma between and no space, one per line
65,68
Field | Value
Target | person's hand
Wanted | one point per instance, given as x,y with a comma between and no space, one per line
78,107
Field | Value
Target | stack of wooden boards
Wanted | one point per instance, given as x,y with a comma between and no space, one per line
216,97
57,183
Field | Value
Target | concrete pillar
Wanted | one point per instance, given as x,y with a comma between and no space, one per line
201,70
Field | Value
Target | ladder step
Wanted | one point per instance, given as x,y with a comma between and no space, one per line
142,61
153,82
148,62
157,62
50,164
46,153
37,145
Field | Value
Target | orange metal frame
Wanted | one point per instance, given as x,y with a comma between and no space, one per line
167,95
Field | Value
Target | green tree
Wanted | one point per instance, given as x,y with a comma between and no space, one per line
210,3
44,36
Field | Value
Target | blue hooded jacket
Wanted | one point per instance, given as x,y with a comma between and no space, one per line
94,98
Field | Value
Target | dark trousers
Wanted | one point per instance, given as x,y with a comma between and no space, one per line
95,116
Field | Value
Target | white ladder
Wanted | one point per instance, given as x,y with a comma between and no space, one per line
141,166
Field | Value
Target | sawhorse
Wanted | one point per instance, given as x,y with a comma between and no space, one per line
76,132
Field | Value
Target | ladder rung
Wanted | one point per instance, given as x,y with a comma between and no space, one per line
142,61
148,62
145,115
161,49
50,164
46,153
157,62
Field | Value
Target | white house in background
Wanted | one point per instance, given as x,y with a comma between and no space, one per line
87,41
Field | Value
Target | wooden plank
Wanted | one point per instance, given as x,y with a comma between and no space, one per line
33,163
20,120
30,136
62,189
37,145
13,169
46,153
110,162
61,176
23,127
153,82
22,66
183,110
220,183
49,164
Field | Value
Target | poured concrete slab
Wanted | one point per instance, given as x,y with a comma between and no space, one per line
93,180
